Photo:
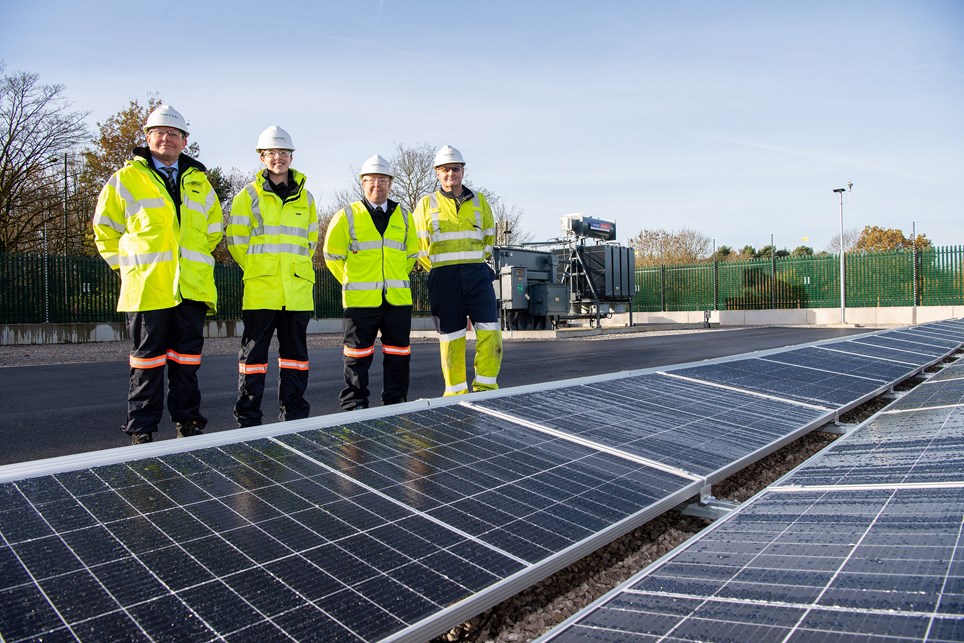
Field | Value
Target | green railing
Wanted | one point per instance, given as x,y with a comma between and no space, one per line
873,280
57,289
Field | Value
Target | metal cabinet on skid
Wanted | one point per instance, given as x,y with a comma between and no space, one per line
570,279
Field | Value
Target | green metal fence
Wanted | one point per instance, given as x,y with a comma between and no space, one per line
880,279
56,289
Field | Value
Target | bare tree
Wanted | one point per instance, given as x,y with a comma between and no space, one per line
414,174
509,230
850,238
38,129
654,247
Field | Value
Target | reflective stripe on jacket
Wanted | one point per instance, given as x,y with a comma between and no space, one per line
162,258
447,235
368,264
273,242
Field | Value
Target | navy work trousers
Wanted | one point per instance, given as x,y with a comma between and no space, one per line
171,337
361,326
259,328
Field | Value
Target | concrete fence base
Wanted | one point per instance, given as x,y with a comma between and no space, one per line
876,317
16,334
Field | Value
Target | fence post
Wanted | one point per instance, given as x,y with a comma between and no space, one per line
716,285
662,288
913,255
773,276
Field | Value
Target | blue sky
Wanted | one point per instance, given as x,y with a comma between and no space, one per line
735,119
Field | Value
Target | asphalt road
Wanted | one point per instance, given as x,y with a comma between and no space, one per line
48,411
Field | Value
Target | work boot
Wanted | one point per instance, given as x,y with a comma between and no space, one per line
141,438
187,429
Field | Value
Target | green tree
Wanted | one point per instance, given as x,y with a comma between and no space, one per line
802,251
38,130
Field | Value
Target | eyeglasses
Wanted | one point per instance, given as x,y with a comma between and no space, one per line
450,168
281,154
377,180
172,134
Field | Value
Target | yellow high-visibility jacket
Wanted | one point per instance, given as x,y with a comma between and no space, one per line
448,236
162,258
368,264
273,241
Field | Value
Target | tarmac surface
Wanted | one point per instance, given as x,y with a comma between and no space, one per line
49,408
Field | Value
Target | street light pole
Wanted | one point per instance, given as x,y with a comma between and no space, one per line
843,304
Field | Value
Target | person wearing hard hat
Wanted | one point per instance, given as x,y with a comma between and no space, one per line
456,232
156,224
371,247
272,234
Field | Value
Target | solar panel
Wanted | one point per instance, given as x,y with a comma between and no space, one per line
871,565
895,448
693,426
889,340
831,390
881,352
945,338
826,359
951,371
932,393
369,529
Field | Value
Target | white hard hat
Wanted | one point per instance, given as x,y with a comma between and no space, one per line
275,138
166,116
446,155
376,165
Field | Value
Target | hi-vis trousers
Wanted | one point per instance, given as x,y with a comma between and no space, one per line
457,293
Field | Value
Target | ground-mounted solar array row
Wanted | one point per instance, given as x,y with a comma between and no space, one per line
864,542
396,525
370,529
838,375
879,565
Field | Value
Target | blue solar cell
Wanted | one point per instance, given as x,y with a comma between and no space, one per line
830,390
828,359
688,425
266,531
804,564
893,448
906,344
932,393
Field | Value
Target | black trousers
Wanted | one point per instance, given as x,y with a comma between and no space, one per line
171,337
361,327
259,328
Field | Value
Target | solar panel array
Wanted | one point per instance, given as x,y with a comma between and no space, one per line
864,542
402,522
